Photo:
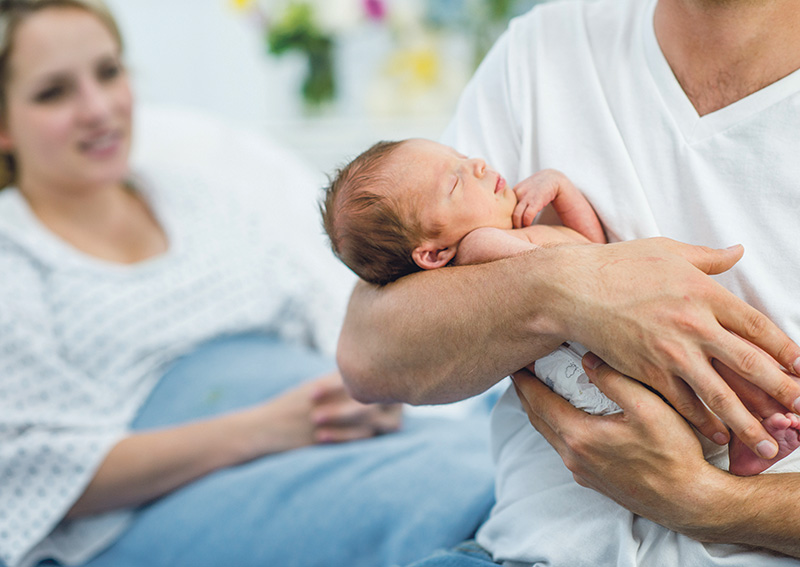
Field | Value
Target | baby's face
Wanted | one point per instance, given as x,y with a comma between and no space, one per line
452,191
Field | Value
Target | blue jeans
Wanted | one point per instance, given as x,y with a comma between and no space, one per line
383,501
466,554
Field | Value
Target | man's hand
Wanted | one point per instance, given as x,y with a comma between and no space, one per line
646,458
649,310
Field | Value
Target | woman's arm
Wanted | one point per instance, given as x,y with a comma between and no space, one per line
146,465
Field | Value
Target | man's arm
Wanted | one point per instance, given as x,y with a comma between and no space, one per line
444,335
648,460
645,306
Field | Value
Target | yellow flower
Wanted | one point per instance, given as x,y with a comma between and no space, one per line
416,67
241,5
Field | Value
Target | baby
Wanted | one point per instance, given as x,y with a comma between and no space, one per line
401,207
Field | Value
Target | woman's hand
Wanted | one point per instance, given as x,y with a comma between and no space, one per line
149,464
318,411
337,417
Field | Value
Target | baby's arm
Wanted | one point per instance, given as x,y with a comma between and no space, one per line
552,187
488,244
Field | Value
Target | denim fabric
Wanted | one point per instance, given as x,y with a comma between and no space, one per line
466,554
384,501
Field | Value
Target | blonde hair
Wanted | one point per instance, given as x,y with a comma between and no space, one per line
12,13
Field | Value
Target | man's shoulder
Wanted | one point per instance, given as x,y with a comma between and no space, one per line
566,19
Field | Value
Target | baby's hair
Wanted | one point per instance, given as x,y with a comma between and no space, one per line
370,229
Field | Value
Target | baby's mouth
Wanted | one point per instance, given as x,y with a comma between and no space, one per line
501,184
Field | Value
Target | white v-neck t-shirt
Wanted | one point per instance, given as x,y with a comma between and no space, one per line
583,87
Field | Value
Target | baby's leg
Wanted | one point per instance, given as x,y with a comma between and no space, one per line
785,428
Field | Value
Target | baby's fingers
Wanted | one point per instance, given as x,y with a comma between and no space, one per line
517,215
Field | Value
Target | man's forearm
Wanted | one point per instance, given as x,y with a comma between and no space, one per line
647,307
756,511
444,335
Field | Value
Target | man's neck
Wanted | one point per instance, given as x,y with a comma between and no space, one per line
724,50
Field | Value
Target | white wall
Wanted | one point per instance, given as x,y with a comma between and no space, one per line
203,54
200,53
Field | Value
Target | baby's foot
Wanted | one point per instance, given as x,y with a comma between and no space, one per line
784,428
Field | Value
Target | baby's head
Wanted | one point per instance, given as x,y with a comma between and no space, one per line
404,206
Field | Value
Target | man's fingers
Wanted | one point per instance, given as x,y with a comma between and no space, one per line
627,393
752,325
542,402
543,407
722,400
710,260
753,397
685,401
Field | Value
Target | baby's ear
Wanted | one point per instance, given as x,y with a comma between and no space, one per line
429,257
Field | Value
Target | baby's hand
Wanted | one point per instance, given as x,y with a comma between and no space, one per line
551,186
535,193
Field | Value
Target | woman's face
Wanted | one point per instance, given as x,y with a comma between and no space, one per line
68,103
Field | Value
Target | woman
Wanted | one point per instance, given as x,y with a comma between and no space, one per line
110,274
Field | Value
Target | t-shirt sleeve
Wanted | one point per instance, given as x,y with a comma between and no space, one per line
51,442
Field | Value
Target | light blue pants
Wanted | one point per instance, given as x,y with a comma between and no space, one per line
466,554
385,501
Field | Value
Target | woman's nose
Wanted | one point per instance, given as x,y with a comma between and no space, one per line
94,102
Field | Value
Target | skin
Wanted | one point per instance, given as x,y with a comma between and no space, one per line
490,244
643,457
646,307
68,124
147,465
453,192
456,195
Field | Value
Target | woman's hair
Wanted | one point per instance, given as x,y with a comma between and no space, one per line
12,13
370,229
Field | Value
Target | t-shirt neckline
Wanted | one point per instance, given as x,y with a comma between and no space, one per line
693,126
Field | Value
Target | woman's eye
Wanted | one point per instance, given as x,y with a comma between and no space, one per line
109,72
50,94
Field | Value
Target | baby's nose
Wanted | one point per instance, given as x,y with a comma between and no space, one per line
479,167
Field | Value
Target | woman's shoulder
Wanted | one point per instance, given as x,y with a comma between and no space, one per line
23,256
19,229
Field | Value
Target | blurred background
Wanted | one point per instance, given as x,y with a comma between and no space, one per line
325,77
